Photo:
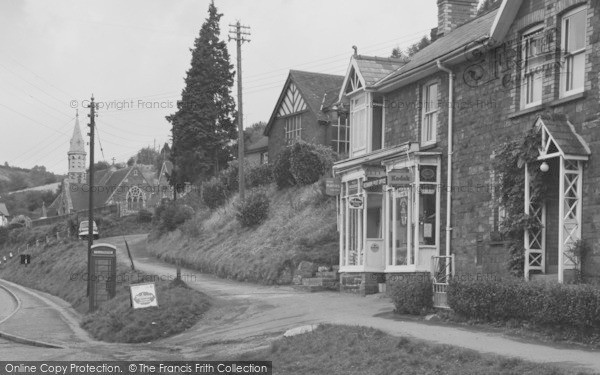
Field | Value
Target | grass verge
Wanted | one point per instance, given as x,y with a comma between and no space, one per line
60,269
301,225
358,350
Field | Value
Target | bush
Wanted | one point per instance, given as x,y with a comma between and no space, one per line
214,193
258,175
412,295
3,235
305,164
229,178
172,216
144,216
575,306
253,210
281,169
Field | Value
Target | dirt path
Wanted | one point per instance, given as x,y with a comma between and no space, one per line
246,315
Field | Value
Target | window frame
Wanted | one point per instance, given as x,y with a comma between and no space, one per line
355,109
536,72
293,134
565,72
429,114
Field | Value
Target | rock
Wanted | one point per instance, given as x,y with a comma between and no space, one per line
432,318
300,330
323,269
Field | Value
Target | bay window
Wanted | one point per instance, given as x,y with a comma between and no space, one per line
366,123
358,123
574,25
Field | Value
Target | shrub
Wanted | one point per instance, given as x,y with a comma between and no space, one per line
327,156
253,210
305,164
575,306
214,193
281,169
144,216
412,295
229,178
258,175
3,235
173,215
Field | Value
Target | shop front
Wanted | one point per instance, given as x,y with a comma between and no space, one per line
388,216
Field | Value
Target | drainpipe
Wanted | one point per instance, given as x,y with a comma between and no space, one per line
449,168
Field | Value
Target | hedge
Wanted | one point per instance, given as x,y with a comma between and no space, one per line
575,306
411,295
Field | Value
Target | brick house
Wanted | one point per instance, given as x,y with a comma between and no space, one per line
425,198
307,110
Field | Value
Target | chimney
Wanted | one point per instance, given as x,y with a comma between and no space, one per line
453,13
433,35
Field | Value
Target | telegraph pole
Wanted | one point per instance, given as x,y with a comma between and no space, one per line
239,33
92,117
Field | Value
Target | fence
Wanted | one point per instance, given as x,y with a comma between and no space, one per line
46,239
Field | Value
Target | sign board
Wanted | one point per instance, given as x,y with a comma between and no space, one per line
375,182
143,295
355,202
25,259
333,186
352,187
399,178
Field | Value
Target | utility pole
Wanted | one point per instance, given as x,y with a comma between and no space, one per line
239,34
92,117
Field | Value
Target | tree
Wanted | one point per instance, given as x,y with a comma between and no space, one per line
147,155
487,5
100,166
398,53
203,124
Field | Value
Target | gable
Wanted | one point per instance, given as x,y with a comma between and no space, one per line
354,82
292,102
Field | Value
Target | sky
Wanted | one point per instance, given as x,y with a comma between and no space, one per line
133,56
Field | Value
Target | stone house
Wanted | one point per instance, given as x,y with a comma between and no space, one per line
418,190
308,110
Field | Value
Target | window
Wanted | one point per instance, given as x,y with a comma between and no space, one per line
340,141
573,49
531,67
428,189
135,199
293,128
401,251
352,224
358,123
430,108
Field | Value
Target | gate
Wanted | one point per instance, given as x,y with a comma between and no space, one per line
442,271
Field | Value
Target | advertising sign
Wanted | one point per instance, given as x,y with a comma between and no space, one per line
143,295
355,202
333,186
399,178
375,182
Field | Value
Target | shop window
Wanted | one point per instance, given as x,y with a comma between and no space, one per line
427,213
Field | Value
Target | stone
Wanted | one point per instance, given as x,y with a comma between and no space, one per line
432,318
300,330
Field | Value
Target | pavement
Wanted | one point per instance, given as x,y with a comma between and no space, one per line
245,317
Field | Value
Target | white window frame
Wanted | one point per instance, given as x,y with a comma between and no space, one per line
531,69
359,124
429,116
293,128
340,144
568,57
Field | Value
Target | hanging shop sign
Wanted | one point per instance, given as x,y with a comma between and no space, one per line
355,202
399,178
428,173
333,186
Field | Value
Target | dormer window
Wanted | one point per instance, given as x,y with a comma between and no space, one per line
573,44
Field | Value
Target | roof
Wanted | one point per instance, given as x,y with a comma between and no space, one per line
373,68
317,89
474,30
259,145
77,144
564,135
3,210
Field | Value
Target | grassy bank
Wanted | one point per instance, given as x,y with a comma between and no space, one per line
301,226
358,350
60,269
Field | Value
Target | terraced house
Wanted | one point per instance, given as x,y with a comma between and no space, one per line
419,189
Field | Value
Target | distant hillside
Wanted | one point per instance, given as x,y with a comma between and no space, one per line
15,178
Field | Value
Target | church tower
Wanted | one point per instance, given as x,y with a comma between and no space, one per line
77,155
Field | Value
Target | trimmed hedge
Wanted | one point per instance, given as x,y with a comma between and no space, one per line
412,295
502,300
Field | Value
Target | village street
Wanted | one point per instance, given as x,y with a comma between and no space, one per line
244,317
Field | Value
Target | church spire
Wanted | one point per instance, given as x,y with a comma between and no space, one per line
77,145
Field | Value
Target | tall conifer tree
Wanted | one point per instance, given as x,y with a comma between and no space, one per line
204,122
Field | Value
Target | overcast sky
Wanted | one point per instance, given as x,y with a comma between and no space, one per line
55,54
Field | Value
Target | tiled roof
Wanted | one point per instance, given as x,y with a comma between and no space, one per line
564,134
315,88
373,69
458,38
